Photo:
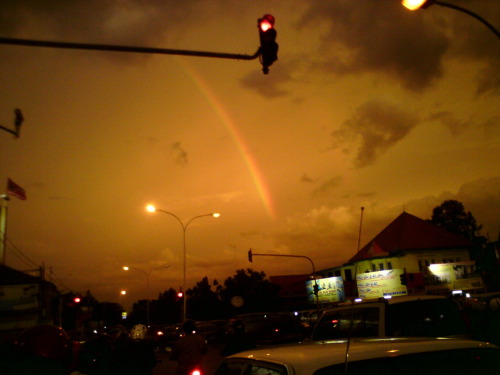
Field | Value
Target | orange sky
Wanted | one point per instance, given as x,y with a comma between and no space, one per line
368,105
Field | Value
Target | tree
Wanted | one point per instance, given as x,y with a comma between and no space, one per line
451,215
203,302
256,291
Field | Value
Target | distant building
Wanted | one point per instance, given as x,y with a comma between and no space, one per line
430,258
25,300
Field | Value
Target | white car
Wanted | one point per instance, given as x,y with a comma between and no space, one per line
376,356
403,316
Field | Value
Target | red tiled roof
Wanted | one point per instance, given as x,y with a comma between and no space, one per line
408,232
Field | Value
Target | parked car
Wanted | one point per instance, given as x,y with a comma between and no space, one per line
422,316
165,336
407,356
272,328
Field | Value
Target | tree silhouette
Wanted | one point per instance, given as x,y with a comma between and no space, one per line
451,215
253,289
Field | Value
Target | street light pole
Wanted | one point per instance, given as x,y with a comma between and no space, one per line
184,226
422,4
146,273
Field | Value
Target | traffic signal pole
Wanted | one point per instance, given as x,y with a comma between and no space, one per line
133,49
251,254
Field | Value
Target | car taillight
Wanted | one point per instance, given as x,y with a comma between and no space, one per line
195,372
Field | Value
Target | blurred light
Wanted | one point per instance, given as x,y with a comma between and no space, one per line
456,292
150,208
358,300
125,268
216,214
123,292
266,22
77,300
413,4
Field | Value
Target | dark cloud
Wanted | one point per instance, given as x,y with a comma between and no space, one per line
454,125
180,155
305,178
378,36
116,21
373,128
271,85
328,186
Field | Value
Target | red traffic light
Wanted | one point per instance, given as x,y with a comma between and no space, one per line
77,300
266,23
268,46
180,294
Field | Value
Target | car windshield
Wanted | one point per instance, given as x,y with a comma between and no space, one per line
424,318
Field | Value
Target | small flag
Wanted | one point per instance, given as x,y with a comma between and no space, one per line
15,190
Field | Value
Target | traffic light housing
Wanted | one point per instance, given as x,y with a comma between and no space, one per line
268,45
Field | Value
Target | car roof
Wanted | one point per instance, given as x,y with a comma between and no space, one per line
393,300
308,357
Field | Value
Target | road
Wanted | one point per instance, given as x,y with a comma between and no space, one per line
210,362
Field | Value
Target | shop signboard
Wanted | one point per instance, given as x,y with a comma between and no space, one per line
330,289
380,284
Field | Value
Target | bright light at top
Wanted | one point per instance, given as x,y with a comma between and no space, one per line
151,208
216,214
125,268
265,25
266,22
413,4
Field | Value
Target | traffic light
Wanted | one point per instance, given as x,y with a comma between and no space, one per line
250,256
268,45
180,295
77,299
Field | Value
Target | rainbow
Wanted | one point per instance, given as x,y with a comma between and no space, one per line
218,107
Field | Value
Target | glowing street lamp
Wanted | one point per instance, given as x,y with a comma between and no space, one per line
423,4
184,226
146,273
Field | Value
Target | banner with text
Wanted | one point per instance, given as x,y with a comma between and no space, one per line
330,289
380,283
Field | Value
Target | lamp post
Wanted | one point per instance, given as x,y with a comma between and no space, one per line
422,4
184,226
146,273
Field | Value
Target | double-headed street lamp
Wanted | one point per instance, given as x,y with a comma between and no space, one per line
146,273
184,226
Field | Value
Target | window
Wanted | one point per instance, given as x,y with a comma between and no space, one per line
389,265
246,367
335,325
348,275
381,266
374,267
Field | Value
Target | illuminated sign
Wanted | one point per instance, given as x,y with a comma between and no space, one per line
380,283
453,275
330,289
